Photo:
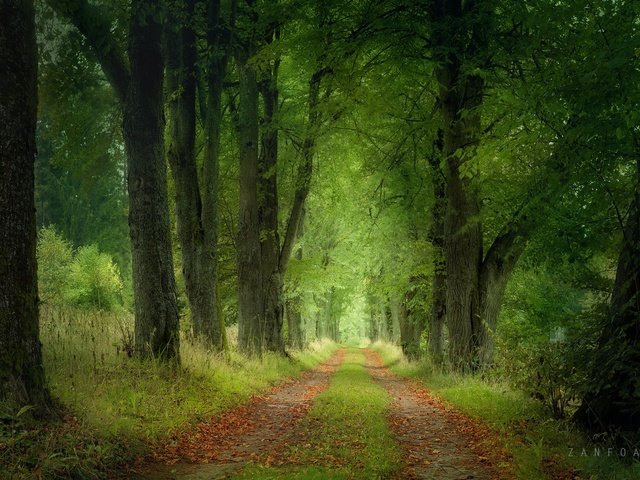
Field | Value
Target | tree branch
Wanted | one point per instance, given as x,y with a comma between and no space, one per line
93,23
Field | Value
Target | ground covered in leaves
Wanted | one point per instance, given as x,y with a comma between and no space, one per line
348,418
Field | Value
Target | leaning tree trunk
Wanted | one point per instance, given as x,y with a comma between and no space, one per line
22,379
496,270
612,402
156,323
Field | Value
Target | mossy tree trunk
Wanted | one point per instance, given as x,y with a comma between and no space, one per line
195,210
22,380
156,322
251,327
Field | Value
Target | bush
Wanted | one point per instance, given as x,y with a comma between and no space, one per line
88,278
94,280
54,261
544,370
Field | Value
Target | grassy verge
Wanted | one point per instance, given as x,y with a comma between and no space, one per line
346,433
542,447
115,405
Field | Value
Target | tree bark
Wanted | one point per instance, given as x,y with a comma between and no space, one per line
437,315
411,326
251,328
496,270
294,317
196,225
22,380
156,323
218,44
268,216
611,404
460,98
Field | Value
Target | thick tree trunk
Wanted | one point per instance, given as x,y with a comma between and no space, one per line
156,324
218,42
459,31
268,217
462,228
196,240
612,402
138,86
22,379
251,327
294,323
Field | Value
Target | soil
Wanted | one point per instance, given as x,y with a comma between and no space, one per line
224,445
438,442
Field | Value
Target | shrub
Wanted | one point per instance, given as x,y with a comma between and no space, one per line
545,370
94,280
55,256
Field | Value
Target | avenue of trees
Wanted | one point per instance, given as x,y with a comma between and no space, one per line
443,168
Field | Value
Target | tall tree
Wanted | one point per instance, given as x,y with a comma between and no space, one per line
138,84
195,206
251,328
22,380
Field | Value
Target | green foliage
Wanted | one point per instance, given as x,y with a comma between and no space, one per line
546,371
55,256
87,278
94,280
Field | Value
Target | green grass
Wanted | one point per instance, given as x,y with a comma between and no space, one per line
347,435
539,443
115,406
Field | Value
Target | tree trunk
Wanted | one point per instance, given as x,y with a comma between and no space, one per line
294,318
460,34
268,217
497,268
22,379
394,309
198,243
156,324
138,86
437,316
251,328
612,402
218,44
411,327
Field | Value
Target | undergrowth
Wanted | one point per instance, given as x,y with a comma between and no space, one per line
114,406
542,446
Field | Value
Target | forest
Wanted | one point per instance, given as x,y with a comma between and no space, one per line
344,239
